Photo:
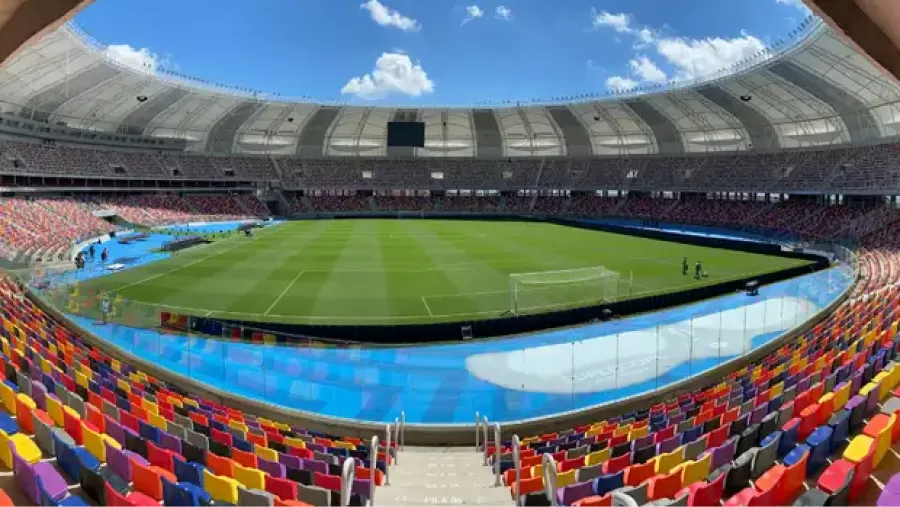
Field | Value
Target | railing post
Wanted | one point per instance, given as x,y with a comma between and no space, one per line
387,454
477,421
484,435
549,466
518,463
373,469
497,444
348,475
396,440
402,441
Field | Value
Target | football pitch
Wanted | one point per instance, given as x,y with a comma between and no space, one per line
374,271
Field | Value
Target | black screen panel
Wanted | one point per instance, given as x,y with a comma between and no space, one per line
406,134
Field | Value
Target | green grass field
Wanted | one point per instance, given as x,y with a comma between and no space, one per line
410,271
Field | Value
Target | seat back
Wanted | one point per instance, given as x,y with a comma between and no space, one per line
223,489
765,457
146,480
792,481
664,486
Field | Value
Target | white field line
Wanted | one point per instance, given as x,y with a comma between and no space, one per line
425,302
285,291
170,271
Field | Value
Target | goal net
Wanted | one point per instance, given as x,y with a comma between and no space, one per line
529,292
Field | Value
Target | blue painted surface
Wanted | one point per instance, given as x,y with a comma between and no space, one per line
508,379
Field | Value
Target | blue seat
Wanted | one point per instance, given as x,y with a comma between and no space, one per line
188,472
148,432
184,494
789,435
795,455
840,425
819,442
71,458
8,424
609,482
691,434
241,444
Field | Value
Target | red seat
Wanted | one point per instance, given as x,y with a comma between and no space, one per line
219,465
162,458
509,476
706,494
244,458
617,464
329,482
570,464
285,489
834,477
530,485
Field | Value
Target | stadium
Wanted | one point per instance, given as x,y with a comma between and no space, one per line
678,294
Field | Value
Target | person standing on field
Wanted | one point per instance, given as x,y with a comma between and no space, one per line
684,266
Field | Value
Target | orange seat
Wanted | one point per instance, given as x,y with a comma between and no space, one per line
787,481
637,474
664,486
594,501
219,465
243,458
290,503
530,485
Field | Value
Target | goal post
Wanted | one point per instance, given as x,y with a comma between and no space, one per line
562,288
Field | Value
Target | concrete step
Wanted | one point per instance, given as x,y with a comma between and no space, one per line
448,476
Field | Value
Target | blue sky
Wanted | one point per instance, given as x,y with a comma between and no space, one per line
419,52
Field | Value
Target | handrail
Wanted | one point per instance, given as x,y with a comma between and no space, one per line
484,429
517,460
387,454
548,464
497,445
396,456
373,467
348,475
477,418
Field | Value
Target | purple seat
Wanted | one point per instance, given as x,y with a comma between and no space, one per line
116,431
272,468
675,419
640,443
39,394
117,461
27,476
169,441
290,461
803,385
855,382
758,413
315,466
362,487
890,495
588,441
316,447
669,444
724,453
571,494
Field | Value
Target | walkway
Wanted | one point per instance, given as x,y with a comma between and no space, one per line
444,476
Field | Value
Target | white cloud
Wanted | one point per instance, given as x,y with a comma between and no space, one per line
620,22
700,57
798,4
473,12
620,83
393,73
503,13
385,16
143,58
647,70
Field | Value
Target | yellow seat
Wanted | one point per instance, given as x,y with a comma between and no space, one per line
776,390
8,398
884,387
55,411
537,470
858,448
695,471
238,426
841,396
158,421
251,478
866,389
23,445
595,458
664,463
223,489
638,432
93,442
266,453
344,445
298,443
565,479
880,428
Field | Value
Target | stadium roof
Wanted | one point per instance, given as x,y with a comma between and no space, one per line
816,92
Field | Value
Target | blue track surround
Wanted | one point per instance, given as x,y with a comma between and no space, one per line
507,380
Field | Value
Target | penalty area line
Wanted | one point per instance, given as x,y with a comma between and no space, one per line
425,302
285,291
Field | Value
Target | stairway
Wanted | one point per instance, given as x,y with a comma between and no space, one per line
442,476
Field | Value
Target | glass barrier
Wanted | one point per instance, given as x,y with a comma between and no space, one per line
512,379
